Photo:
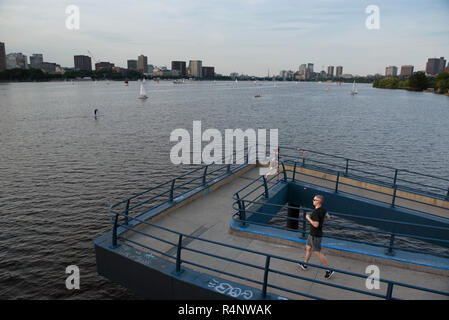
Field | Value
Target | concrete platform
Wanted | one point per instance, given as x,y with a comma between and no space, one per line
208,217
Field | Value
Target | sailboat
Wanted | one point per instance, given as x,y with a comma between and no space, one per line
354,88
328,87
142,94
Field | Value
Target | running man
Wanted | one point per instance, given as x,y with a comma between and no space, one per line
316,219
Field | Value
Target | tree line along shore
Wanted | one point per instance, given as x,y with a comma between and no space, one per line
418,81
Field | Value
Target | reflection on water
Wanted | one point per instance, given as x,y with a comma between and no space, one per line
61,169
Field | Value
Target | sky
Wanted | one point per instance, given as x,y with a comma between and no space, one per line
243,36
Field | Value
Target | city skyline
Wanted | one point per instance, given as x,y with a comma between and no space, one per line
247,36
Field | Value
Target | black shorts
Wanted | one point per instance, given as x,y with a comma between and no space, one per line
314,242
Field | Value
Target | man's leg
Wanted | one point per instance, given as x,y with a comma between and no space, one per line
322,258
308,253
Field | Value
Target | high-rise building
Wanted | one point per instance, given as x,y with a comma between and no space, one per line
36,60
2,57
16,60
104,66
339,72
406,71
434,66
180,66
195,67
142,64
132,65
330,71
302,69
310,67
83,63
208,72
391,71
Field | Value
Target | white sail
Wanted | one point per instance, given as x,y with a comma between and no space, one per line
142,94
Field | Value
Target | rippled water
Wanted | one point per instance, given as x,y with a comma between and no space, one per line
61,169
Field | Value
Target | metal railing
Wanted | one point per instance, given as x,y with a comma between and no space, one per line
256,191
398,179
180,248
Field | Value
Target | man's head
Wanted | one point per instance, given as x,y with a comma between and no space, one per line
318,200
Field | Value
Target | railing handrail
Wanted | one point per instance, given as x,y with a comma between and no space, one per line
361,161
180,247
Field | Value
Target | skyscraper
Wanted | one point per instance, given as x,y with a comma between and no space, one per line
142,64
83,63
132,65
208,72
180,66
434,66
391,71
302,69
406,71
195,67
2,57
16,60
339,71
36,60
330,71
310,67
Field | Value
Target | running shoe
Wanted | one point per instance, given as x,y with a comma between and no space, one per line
329,274
302,266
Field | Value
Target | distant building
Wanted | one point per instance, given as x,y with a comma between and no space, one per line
234,75
83,63
330,71
310,67
180,66
208,72
391,71
48,67
339,72
16,60
132,65
196,68
406,71
104,66
302,69
347,76
142,64
2,57
434,66
36,60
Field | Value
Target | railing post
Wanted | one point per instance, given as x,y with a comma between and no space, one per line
265,277
336,183
390,251
204,175
294,172
285,172
114,232
126,210
229,168
171,189
395,177
447,196
347,167
265,186
178,255
304,224
394,196
389,291
242,212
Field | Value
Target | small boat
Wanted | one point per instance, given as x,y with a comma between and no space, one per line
257,96
178,81
126,82
142,94
354,89
328,88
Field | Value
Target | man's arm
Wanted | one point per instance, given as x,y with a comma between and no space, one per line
313,223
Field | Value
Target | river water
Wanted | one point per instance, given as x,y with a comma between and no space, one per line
61,169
